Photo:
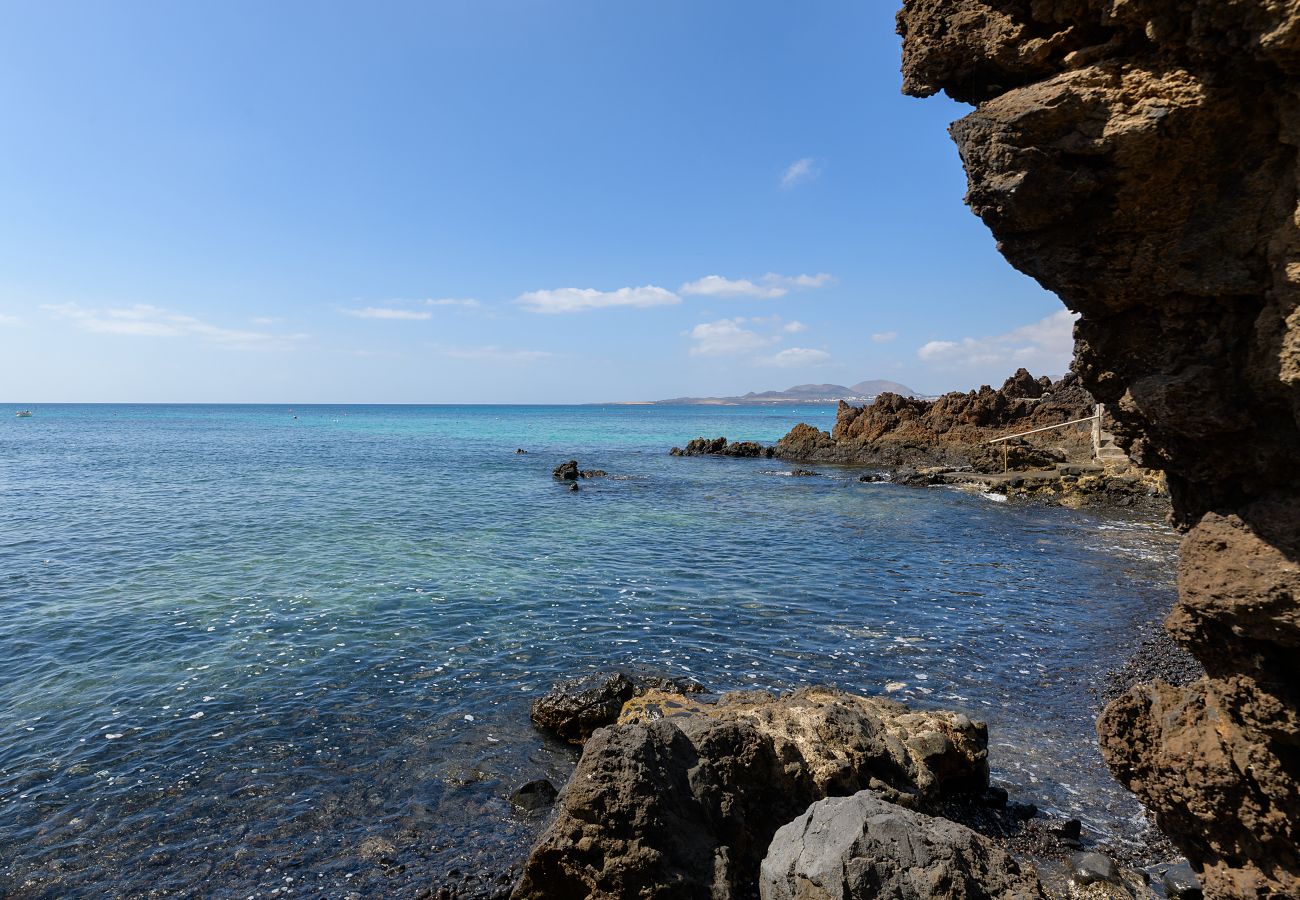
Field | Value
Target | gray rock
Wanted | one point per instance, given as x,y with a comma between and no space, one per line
1089,868
860,847
1180,882
567,471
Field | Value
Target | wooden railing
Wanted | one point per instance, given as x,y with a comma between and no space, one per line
1095,418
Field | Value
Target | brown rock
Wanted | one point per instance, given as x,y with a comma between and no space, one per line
953,430
681,798
1139,158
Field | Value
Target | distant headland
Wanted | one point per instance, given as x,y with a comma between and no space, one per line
862,392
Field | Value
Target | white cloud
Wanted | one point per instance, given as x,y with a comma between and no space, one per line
884,337
386,312
795,327
570,300
1045,346
266,320
143,320
494,354
796,356
727,337
800,171
768,287
6,319
468,303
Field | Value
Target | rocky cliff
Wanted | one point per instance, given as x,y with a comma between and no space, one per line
1139,158
954,430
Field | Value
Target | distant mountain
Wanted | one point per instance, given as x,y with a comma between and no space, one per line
862,392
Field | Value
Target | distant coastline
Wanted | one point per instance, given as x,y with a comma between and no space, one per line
860,393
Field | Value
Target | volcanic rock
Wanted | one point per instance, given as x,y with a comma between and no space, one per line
955,429
575,707
720,447
862,847
682,797
1140,159
566,471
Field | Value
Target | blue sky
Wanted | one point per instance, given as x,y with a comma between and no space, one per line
486,201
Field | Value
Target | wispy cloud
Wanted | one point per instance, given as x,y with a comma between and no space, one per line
142,320
800,171
494,354
388,312
727,337
466,302
6,319
884,337
1045,346
793,357
795,327
769,286
571,300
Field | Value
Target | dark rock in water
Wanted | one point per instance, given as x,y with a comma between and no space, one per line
535,795
1180,882
574,487
521,450
566,471
996,797
805,442
575,707
719,447
861,847
873,477
1069,833
593,473
804,473
1089,868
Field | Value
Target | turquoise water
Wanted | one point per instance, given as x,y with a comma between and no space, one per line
244,652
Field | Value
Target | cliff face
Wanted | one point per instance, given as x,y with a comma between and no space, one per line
954,429
1139,158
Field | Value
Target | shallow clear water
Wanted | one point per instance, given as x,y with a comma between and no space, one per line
243,653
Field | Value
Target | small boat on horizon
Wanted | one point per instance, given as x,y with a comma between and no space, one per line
24,414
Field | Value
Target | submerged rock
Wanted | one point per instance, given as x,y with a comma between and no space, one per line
862,847
1089,868
535,795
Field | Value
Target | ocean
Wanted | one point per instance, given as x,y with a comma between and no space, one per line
263,650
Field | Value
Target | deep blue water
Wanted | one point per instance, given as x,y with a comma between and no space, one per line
240,651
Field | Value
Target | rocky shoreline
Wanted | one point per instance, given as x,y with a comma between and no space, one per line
923,443
682,793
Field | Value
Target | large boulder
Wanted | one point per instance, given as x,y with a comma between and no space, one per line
719,446
673,809
863,847
681,798
847,742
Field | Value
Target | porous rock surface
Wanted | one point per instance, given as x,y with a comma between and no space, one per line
954,430
862,847
575,707
1139,158
684,805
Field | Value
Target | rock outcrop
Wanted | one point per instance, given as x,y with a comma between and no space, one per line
1139,158
719,446
954,430
862,847
682,798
